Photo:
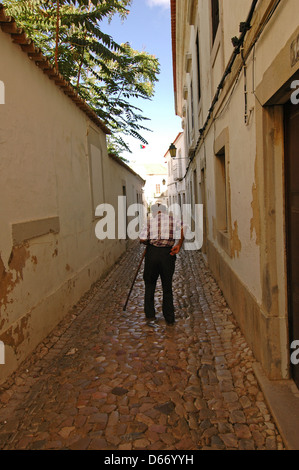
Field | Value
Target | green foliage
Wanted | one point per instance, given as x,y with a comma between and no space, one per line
105,74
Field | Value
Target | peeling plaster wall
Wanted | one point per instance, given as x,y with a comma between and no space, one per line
248,256
46,195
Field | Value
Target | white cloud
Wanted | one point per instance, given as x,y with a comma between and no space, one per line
159,3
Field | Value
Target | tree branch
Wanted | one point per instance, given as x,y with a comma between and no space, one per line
57,32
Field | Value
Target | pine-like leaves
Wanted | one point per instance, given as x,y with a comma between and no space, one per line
106,74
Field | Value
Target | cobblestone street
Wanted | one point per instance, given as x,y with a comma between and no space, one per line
105,379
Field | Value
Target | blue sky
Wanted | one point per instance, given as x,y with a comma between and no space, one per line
148,28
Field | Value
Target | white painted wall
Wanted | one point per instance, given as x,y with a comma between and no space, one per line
50,156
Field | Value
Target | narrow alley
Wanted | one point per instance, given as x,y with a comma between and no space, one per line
107,380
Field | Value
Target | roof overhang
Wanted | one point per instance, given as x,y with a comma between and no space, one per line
8,25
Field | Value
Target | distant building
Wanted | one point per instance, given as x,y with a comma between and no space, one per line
176,168
156,177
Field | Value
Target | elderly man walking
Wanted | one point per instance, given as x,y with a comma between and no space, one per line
163,244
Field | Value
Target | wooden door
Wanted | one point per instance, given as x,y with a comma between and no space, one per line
292,226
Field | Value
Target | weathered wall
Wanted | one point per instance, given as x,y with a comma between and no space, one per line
248,257
54,170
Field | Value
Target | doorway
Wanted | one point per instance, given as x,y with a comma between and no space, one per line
292,222
203,201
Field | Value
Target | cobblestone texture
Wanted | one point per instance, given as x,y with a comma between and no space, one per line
105,379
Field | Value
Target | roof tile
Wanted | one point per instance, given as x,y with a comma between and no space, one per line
18,35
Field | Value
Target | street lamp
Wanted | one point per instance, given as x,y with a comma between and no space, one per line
172,150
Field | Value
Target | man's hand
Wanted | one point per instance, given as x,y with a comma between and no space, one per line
175,249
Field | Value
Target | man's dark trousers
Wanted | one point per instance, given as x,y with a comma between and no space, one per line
159,262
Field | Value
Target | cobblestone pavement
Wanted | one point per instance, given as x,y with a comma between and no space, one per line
105,379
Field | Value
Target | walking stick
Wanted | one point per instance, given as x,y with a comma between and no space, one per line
125,306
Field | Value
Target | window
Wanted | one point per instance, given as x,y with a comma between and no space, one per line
190,117
169,168
192,107
180,172
198,67
221,193
191,195
158,191
215,18
187,137
175,169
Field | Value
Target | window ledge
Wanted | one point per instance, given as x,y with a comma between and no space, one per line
224,240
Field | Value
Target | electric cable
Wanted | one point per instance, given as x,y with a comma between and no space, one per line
244,27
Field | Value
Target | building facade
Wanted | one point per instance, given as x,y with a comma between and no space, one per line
236,71
155,176
55,172
176,167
